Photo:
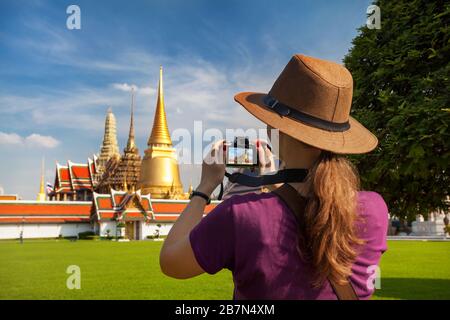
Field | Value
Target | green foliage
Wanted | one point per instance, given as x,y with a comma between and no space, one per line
120,225
402,94
86,234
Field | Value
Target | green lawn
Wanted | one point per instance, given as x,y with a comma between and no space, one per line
111,270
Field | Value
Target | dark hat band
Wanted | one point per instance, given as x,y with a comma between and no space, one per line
286,111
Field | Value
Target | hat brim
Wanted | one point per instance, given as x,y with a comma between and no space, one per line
355,140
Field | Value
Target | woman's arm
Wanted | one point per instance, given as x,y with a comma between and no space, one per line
177,259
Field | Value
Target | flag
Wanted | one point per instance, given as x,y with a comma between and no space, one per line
48,188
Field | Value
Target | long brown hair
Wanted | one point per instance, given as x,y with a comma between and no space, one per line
328,238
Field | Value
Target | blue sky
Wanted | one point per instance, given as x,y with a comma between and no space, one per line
56,84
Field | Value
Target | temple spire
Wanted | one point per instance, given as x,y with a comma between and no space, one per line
160,131
41,195
110,147
131,144
123,172
159,174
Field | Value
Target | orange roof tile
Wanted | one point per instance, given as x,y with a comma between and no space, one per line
50,208
8,197
80,172
118,198
64,174
105,203
42,220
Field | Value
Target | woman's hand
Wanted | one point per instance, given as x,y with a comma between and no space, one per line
265,157
266,162
213,169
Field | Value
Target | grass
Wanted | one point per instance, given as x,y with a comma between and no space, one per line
130,270
415,270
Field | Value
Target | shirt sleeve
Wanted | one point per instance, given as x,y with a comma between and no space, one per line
213,239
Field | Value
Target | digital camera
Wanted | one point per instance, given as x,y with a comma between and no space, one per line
241,153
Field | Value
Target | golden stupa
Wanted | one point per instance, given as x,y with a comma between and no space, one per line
159,169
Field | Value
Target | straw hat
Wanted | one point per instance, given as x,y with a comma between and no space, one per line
310,101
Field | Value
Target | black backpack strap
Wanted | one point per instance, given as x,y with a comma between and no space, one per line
297,203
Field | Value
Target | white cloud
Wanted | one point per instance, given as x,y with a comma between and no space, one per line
194,90
36,140
128,87
2,191
33,140
147,91
10,138
125,87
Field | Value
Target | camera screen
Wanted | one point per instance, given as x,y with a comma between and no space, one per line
241,156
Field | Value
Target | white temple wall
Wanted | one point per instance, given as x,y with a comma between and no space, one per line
145,230
104,226
150,229
12,231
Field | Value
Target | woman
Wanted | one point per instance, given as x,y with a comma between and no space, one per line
274,251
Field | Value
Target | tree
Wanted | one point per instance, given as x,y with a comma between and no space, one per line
402,94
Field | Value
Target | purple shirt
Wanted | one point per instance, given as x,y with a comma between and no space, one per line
255,236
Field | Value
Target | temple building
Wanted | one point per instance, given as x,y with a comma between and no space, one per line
123,173
156,174
74,182
110,195
128,215
122,213
159,170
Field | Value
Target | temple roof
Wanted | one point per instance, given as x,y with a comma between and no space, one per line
92,167
79,176
122,206
62,179
75,176
9,197
126,206
18,211
115,206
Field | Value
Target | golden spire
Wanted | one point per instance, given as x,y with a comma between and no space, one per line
131,145
159,174
160,132
41,195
